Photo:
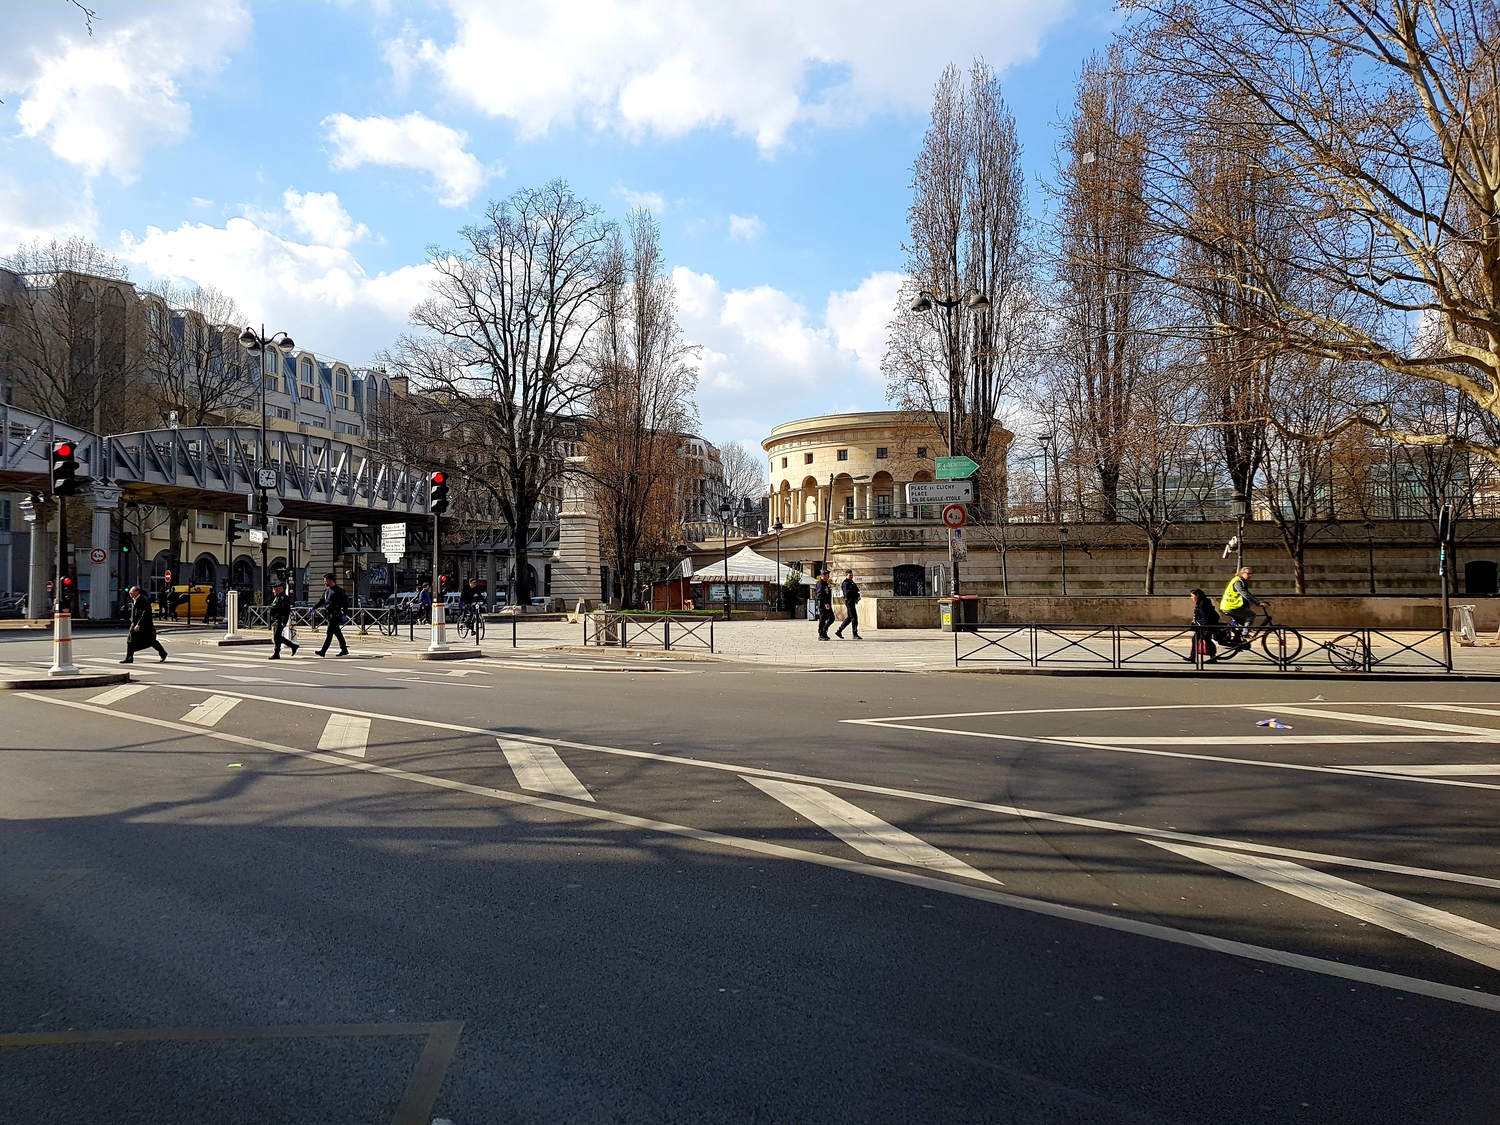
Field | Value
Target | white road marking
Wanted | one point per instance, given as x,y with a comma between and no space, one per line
913,795
211,710
1262,954
863,831
115,694
1459,936
263,680
1270,739
1459,769
347,734
539,769
1488,734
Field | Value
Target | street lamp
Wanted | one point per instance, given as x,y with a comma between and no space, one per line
780,585
972,300
1239,508
257,343
725,511
1370,548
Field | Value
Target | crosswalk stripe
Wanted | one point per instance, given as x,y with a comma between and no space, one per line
1490,734
346,734
863,831
115,694
211,710
539,769
1449,932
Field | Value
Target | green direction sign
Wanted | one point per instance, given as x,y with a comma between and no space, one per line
956,468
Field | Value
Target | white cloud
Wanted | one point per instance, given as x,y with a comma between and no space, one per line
99,101
317,292
650,200
745,229
414,141
671,66
321,217
859,318
762,360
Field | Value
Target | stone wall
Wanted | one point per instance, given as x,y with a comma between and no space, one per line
1110,560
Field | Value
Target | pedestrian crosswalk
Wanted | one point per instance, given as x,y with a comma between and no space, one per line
541,770
211,710
346,734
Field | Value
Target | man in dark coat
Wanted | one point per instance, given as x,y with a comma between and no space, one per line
281,614
142,627
850,590
823,594
333,603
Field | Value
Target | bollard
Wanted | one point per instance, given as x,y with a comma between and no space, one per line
62,645
513,630
231,615
439,630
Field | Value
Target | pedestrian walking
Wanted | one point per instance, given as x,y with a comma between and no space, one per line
1207,623
281,615
334,602
425,598
850,589
211,605
823,593
142,632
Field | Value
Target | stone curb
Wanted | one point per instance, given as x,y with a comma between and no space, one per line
86,679
446,654
1237,674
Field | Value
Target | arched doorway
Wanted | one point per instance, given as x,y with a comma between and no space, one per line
243,575
206,571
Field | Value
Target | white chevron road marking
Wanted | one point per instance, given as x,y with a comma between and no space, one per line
862,831
346,734
539,769
115,694
1450,932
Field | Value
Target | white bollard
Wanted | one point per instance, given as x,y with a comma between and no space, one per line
231,614
62,645
439,630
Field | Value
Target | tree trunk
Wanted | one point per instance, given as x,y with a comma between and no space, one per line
1153,545
1299,573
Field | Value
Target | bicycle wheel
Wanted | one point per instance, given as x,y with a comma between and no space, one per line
463,626
388,623
1270,643
479,626
1347,653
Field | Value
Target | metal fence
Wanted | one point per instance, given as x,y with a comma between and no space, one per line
648,630
1279,647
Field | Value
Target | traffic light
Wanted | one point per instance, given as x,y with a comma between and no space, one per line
64,468
258,514
438,497
231,530
127,543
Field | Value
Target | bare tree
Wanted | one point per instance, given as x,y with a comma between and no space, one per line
641,404
193,360
967,321
497,366
71,333
1380,125
1104,241
744,473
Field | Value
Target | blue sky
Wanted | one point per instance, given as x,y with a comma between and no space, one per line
303,156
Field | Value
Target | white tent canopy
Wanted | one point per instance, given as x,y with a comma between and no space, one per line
747,566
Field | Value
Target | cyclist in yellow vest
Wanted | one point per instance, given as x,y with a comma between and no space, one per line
1238,602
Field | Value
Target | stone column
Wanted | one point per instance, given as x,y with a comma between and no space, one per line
103,499
825,501
39,512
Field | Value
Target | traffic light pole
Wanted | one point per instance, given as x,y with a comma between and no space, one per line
62,610
439,641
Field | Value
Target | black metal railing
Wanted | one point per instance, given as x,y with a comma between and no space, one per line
1281,647
648,630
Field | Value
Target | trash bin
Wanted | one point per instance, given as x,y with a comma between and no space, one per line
960,612
1466,631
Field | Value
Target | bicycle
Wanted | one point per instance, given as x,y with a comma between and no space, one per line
471,622
1348,653
387,622
1281,644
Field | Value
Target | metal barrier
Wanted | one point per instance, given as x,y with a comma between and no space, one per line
647,630
380,619
1282,647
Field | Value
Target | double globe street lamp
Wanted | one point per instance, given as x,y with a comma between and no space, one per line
258,344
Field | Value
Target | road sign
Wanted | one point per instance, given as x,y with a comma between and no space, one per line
940,492
955,515
958,550
257,537
98,555
956,468
265,478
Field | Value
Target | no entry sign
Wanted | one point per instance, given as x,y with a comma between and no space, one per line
955,515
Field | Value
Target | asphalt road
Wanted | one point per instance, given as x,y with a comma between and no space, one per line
571,889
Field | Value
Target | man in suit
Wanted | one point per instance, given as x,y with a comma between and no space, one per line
142,627
333,603
850,590
823,594
281,615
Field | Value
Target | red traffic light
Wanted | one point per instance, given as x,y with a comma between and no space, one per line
439,478
64,449
67,582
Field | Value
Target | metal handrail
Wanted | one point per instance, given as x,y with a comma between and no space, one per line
1286,648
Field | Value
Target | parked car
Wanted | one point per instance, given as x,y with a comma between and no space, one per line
12,606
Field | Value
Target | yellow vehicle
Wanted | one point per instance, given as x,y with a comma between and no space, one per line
197,601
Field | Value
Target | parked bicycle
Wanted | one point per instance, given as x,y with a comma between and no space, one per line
1279,643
